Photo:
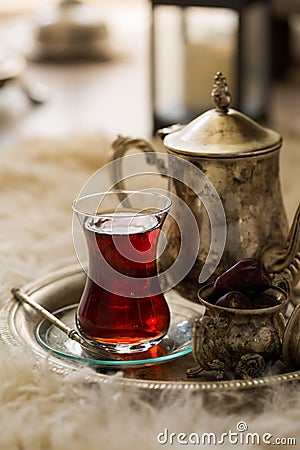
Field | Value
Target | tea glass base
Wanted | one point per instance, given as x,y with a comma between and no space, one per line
123,348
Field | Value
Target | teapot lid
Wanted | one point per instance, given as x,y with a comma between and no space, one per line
223,131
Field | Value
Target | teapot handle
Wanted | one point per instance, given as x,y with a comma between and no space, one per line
119,148
283,262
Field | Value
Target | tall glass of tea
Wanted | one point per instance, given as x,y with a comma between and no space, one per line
122,308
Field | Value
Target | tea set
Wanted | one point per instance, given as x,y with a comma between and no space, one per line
251,316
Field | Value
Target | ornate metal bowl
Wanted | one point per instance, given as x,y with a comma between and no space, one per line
242,341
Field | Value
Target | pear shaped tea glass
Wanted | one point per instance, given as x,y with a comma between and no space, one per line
122,308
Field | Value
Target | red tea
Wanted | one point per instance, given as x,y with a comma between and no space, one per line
121,303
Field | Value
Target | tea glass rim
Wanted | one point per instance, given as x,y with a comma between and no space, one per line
116,192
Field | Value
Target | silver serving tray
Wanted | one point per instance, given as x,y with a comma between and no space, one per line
18,330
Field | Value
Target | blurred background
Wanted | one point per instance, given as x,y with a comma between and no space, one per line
131,66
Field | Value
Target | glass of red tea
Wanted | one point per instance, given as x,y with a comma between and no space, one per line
122,308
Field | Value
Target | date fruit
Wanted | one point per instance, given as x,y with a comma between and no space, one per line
234,299
264,301
248,276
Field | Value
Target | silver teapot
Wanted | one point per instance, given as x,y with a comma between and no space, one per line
241,159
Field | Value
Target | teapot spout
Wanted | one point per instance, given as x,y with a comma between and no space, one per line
283,262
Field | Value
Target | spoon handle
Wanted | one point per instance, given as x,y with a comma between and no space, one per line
24,298
70,332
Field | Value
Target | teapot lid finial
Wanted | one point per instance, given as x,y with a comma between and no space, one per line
222,131
220,93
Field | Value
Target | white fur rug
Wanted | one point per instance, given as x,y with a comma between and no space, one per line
40,410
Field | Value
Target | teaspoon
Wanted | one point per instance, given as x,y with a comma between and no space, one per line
70,332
